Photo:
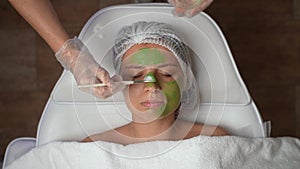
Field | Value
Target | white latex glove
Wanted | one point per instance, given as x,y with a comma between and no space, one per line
75,57
189,8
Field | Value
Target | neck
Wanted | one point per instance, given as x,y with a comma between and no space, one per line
159,128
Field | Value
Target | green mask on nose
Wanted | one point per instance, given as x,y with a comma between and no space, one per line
150,77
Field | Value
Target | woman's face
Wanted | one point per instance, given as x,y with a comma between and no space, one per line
153,100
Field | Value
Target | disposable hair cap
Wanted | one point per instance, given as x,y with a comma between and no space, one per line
149,32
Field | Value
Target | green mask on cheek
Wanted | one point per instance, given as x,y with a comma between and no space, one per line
172,92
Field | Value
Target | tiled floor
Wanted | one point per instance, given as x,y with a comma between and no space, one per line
296,6
264,37
298,110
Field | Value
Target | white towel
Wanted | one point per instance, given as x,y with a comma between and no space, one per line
227,152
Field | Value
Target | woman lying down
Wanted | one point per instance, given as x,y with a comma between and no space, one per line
153,55
152,52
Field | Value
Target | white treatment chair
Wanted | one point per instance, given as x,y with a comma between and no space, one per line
73,115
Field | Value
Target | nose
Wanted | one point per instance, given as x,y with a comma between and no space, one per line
151,84
150,77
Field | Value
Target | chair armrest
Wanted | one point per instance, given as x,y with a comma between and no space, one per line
17,148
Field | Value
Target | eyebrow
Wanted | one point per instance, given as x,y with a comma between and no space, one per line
141,66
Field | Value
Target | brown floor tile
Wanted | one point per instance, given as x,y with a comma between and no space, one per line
9,18
73,12
18,60
104,4
296,7
21,109
48,68
17,42
247,11
297,102
277,105
266,53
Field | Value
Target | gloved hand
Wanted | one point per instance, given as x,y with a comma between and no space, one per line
75,57
189,8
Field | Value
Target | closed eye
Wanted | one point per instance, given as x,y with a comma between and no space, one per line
166,74
137,76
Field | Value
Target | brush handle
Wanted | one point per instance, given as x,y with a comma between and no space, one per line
102,84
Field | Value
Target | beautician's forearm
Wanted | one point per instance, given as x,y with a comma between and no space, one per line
42,17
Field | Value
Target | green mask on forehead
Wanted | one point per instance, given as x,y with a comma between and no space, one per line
147,56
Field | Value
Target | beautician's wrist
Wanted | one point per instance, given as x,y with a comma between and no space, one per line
68,53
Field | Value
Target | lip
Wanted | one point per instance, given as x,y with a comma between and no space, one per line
152,103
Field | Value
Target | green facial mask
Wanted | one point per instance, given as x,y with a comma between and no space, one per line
147,56
172,92
152,56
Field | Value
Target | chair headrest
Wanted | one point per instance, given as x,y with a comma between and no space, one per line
213,65
72,115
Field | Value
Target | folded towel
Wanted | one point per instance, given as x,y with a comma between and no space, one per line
229,152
